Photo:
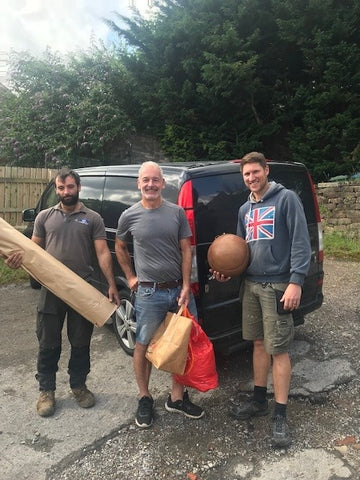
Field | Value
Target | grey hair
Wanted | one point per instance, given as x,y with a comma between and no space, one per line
150,163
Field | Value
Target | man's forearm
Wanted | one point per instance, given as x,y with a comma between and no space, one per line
105,263
123,257
186,266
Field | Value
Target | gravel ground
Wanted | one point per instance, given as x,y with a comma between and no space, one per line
326,424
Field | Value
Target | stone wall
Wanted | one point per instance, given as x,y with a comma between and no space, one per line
339,204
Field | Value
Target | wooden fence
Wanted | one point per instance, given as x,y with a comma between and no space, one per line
20,188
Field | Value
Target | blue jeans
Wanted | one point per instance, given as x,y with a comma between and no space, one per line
151,307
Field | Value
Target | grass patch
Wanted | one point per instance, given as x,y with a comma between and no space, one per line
9,275
341,246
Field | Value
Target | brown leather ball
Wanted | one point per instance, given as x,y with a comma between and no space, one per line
228,254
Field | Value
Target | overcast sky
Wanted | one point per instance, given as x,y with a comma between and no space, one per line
63,25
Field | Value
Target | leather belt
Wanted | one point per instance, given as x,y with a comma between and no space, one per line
161,285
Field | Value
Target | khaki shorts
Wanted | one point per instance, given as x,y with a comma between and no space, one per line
260,320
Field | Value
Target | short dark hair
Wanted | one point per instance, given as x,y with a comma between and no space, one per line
67,172
254,157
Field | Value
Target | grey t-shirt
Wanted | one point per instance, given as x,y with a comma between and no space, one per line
70,237
156,234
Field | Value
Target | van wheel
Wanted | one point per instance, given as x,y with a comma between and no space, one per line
125,323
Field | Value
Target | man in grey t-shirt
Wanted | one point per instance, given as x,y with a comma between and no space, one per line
71,233
162,256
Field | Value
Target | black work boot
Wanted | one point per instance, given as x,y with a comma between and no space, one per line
280,432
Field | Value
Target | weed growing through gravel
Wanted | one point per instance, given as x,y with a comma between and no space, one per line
341,246
8,275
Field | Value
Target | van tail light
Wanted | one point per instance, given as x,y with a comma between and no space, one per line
318,220
186,201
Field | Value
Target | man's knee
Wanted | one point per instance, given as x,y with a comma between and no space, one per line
281,358
259,344
140,349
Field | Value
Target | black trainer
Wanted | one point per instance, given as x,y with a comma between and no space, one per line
252,408
280,432
144,414
184,406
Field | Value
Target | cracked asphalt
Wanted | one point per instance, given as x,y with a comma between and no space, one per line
103,442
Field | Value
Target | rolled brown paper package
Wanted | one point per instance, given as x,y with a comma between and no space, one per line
67,285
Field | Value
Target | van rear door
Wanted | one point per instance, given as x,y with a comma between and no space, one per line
296,178
217,199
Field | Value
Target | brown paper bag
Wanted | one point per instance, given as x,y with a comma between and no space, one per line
168,348
56,277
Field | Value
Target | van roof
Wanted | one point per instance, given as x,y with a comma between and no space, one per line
187,169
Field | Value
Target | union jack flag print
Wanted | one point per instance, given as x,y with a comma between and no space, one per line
260,223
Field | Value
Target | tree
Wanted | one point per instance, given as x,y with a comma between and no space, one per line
217,78
192,72
212,79
325,104
62,110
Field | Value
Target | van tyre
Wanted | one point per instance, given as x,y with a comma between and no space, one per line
124,322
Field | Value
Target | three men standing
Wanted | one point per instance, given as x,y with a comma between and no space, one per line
273,223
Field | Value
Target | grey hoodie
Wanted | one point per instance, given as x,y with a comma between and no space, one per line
275,229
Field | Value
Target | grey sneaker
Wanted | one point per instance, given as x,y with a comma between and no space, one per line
184,406
280,432
46,404
252,408
83,397
144,414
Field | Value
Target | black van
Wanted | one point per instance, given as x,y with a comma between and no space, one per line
211,194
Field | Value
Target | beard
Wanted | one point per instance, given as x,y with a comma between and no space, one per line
70,200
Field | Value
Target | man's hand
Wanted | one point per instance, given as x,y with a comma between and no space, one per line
14,260
292,296
114,295
220,277
184,297
133,283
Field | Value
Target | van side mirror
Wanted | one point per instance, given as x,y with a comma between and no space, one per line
29,215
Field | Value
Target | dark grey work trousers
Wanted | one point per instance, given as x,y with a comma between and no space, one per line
50,321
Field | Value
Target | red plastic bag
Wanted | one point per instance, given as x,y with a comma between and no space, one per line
200,371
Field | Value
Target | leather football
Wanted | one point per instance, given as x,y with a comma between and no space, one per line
228,254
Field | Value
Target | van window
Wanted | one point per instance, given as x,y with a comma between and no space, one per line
216,201
91,192
296,180
171,190
49,198
119,194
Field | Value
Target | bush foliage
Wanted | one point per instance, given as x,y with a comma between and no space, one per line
211,79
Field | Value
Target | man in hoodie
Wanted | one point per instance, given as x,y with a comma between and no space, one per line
274,225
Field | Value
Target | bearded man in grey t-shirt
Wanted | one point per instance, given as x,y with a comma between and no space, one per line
162,255
70,232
